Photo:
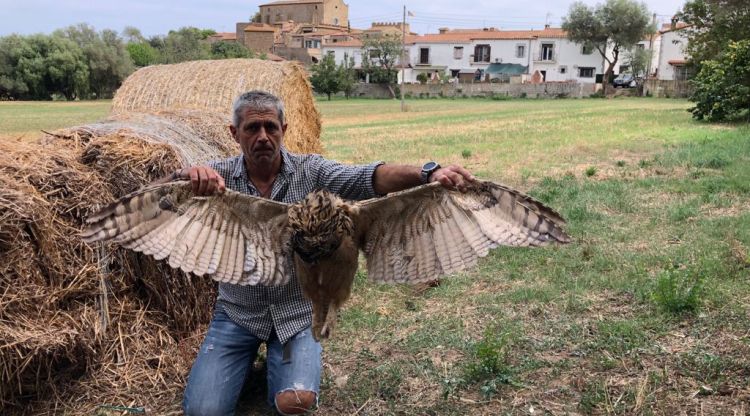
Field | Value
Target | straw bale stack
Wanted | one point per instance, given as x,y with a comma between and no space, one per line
213,86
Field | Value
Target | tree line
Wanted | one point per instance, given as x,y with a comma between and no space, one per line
79,62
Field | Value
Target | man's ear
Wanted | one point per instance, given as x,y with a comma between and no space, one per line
233,130
283,128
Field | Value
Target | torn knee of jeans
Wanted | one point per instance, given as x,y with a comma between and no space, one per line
295,402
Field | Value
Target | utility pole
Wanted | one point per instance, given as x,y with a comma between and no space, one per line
651,46
403,50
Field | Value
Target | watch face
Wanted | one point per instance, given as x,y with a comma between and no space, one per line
429,166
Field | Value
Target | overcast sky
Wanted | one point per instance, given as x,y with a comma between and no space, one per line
155,17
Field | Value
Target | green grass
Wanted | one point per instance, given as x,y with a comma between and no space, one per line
593,327
29,118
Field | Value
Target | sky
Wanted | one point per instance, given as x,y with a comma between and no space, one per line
157,17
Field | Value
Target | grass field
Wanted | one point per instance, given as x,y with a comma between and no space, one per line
646,312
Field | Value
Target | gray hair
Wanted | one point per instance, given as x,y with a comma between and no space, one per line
257,100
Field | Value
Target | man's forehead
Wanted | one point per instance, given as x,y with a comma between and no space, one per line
259,114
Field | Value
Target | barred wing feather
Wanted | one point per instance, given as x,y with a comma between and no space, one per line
426,232
233,237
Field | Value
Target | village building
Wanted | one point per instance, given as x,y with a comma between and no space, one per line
328,12
669,53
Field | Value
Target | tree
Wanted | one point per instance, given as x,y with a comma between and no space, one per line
712,25
226,50
347,76
107,58
184,44
142,54
614,26
380,55
637,60
132,35
325,77
39,66
256,18
722,87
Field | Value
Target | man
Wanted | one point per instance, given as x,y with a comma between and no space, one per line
246,316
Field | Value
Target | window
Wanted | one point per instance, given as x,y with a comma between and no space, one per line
587,49
336,21
424,56
312,44
482,53
681,73
458,52
563,69
547,52
520,51
586,72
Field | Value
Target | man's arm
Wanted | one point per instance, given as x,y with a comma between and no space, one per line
205,180
391,178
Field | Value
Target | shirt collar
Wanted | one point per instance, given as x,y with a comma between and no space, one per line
287,167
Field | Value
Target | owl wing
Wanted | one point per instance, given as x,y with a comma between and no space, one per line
425,232
233,237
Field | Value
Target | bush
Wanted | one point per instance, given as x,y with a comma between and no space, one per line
722,87
678,291
422,78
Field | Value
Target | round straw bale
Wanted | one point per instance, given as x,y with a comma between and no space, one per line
213,86
75,315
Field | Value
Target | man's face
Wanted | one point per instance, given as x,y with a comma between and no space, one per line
259,135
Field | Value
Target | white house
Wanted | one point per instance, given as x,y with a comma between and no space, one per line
343,50
457,52
669,53
460,53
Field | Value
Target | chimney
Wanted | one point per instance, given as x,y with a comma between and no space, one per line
443,30
546,26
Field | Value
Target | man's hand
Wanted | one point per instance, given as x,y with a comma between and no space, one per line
453,177
205,181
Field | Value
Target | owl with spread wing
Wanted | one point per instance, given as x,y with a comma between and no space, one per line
416,235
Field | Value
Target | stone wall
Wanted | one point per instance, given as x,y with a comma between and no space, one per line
667,88
259,41
543,90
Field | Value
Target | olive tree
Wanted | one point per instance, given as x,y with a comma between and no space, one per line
613,26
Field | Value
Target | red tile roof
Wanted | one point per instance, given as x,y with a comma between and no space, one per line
464,36
677,61
354,43
275,58
667,27
224,36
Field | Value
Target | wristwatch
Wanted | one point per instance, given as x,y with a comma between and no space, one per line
428,169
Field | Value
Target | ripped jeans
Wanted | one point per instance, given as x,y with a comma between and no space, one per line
226,357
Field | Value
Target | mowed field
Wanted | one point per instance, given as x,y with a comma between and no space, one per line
646,312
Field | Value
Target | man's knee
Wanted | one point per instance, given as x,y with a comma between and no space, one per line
295,402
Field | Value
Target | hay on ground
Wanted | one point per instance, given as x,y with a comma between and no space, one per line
213,85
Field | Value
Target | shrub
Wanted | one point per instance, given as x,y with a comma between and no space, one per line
466,153
422,78
722,87
591,171
679,290
490,362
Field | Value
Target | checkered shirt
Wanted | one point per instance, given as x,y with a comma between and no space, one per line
261,309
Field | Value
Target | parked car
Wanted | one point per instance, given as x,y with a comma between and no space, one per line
624,81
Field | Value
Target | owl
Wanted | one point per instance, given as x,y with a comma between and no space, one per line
411,236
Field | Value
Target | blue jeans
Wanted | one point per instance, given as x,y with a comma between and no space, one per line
225,359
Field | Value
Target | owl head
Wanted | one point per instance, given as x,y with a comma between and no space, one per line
318,224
